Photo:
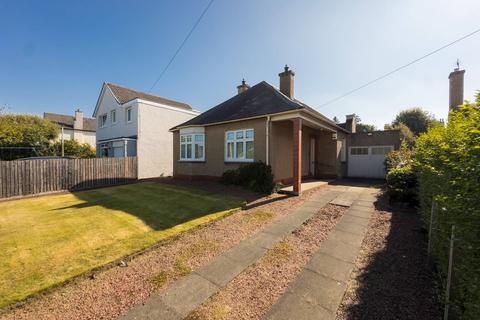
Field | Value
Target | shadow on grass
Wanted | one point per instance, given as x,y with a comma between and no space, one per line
160,206
396,283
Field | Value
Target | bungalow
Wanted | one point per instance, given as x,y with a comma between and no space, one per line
263,123
134,123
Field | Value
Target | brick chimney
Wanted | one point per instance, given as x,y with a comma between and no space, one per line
243,87
351,123
78,121
456,88
286,82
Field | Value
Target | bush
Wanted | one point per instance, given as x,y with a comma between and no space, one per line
402,184
398,158
447,162
256,176
71,148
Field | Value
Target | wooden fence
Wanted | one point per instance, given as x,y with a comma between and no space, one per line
29,177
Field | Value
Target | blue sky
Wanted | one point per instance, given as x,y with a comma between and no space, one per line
54,55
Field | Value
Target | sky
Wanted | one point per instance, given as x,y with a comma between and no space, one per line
55,55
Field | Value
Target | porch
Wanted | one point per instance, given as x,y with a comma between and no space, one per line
304,150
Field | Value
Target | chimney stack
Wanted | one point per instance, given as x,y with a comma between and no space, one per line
243,87
456,88
286,82
351,123
78,121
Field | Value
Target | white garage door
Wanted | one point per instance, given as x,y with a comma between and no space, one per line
367,162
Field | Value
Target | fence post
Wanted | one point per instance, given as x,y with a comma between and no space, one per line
449,275
430,229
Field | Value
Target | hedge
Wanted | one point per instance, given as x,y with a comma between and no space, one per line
256,176
447,163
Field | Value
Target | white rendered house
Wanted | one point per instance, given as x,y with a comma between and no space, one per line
132,123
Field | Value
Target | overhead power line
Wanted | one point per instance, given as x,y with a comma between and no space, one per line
181,45
398,69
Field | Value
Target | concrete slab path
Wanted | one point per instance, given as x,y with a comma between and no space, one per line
189,292
318,290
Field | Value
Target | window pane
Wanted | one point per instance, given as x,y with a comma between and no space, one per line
249,134
249,146
239,150
199,138
239,134
230,150
230,136
182,138
189,138
198,151
182,151
189,151
129,114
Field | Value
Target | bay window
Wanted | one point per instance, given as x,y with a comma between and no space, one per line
192,147
239,145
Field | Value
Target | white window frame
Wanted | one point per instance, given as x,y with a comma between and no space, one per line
103,123
189,139
113,116
129,109
236,141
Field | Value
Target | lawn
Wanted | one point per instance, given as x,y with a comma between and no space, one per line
47,240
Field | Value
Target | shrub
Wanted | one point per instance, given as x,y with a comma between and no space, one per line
447,162
256,176
398,158
402,184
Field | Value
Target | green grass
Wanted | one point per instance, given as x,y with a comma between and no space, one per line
258,216
47,240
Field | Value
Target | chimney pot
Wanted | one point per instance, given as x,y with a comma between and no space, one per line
287,82
243,87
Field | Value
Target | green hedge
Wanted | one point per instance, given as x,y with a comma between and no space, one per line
256,176
447,163
402,184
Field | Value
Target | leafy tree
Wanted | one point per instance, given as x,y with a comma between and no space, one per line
25,131
71,148
406,135
416,119
362,127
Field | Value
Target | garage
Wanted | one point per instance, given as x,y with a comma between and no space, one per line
367,161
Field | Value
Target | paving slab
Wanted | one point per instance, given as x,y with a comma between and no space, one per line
346,237
265,240
368,204
359,213
356,207
351,227
357,220
342,202
221,271
330,267
304,310
153,309
281,227
245,253
318,289
340,250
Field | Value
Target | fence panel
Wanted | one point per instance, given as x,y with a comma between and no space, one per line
28,177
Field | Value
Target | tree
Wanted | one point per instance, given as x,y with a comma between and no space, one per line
362,127
406,135
71,148
416,119
25,131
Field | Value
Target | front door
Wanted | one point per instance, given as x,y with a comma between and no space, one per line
312,157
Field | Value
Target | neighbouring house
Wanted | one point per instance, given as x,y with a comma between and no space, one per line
75,127
263,123
133,123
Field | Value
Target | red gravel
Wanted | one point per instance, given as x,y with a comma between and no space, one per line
255,290
390,279
108,293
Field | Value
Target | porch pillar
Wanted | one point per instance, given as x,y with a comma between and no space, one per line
297,156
